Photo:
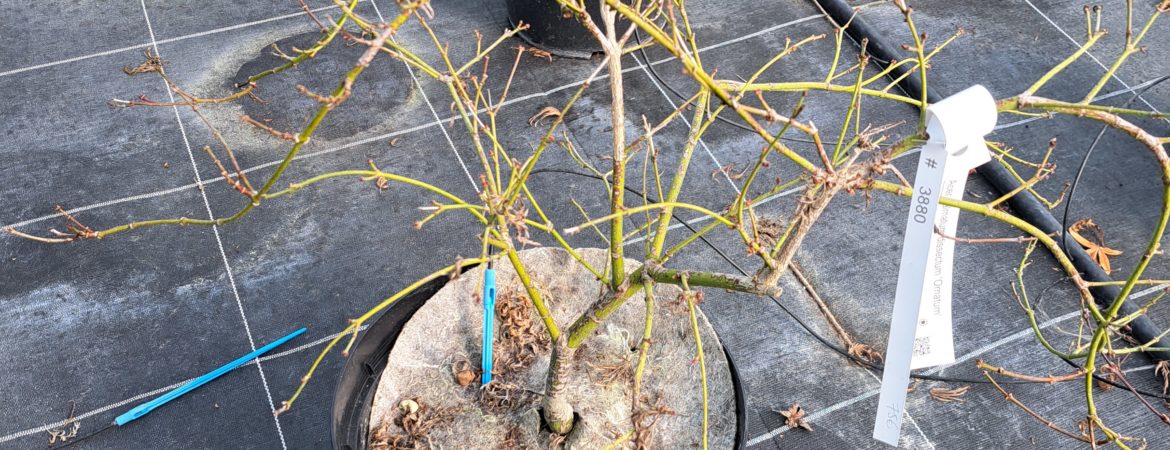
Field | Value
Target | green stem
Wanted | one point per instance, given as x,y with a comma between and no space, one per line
1031,313
652,206
1131,47
919,51
1022,102
699,350
311,52
679,175
1064,64
599,311
534,295
302,139
738,283
801,86
618,189
1017,222
644,346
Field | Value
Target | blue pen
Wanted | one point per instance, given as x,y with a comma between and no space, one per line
143,409
489,316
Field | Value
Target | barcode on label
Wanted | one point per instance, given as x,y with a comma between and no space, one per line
921,346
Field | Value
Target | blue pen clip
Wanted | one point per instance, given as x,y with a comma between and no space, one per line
143,409
489,317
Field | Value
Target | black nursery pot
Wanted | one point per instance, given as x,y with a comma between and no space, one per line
354,396
552,30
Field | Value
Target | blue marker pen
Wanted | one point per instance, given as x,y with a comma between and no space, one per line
489,317
145,408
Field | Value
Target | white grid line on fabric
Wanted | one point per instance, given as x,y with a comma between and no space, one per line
1089,53
718,165
162,41
966,357
218,240
306,155
145,395
431,107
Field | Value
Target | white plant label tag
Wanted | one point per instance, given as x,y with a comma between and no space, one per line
920,330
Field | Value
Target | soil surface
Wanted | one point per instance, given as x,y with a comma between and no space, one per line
430,395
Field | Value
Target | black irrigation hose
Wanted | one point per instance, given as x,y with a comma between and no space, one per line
1024,204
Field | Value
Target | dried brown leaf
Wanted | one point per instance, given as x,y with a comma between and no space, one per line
612,372
865,352
544,113
729,170
535,52
1163,370
1096,250
463,373
794,417
153,63
949,395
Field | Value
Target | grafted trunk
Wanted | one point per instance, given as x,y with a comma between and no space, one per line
558,413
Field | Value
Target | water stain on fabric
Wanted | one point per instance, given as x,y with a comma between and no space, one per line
383,87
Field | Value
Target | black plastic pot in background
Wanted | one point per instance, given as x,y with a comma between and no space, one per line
553,30
354,396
